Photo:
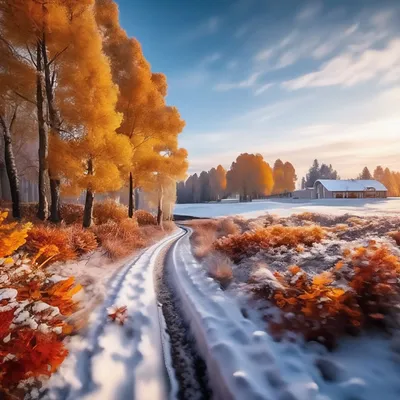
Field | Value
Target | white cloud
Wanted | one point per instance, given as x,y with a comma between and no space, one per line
210,59
206,28
246,83
349,69
309,12
264,55
263,88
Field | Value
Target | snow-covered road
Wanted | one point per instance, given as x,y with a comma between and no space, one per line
120,362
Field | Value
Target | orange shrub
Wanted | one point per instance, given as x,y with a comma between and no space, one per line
145,218
72,213
82,240
109,210
12,236
50,241
249,243
32,316
219,267
322,310
120,239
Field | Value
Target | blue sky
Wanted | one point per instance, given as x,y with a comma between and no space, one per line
291,79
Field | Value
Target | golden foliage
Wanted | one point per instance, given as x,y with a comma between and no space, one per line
45,239
12,236
250,242
250,175
144,218
109,210
323,310
31,299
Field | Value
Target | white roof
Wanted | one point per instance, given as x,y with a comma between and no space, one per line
350,185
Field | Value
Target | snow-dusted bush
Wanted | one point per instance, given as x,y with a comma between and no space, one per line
33,308
360,290
251,242
219,267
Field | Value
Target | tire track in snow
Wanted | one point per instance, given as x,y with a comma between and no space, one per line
114,362
189,368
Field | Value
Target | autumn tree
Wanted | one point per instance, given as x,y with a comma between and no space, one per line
290,177
365,174
146,118
379,173
93,155
217,180
250,176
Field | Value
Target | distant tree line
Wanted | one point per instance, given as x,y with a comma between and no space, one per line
391,179
250,177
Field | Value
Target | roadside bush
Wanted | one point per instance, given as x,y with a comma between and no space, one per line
228,227
109,210
32,315
144,218
45,241
120,239
360,290
72,213
82,240
219,267
251,242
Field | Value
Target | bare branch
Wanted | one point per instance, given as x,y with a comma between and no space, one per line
31,56
14,117
57,55
25,98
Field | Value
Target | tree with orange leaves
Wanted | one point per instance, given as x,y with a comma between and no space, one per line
147,121
250,176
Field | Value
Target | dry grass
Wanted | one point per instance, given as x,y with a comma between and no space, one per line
50,241
82,240
251,242
144,218
109,210
72,213
219,267
119,240
395,235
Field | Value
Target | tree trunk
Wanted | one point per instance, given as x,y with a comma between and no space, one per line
43,140
55,207
11,168
55,125
88,211
160,205
131,207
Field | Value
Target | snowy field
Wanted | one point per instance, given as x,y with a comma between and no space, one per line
284,208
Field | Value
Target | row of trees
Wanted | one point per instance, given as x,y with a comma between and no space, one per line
391,179
250,176
69,72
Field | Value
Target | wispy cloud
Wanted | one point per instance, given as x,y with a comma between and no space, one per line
246,83
349,69
310,11
210,59
205,28
263,88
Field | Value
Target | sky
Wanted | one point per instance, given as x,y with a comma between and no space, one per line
291,79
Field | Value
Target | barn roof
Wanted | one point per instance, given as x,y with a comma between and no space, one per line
350,185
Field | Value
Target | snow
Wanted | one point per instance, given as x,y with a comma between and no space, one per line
286,207
353,185
244,362
115,361
8,294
